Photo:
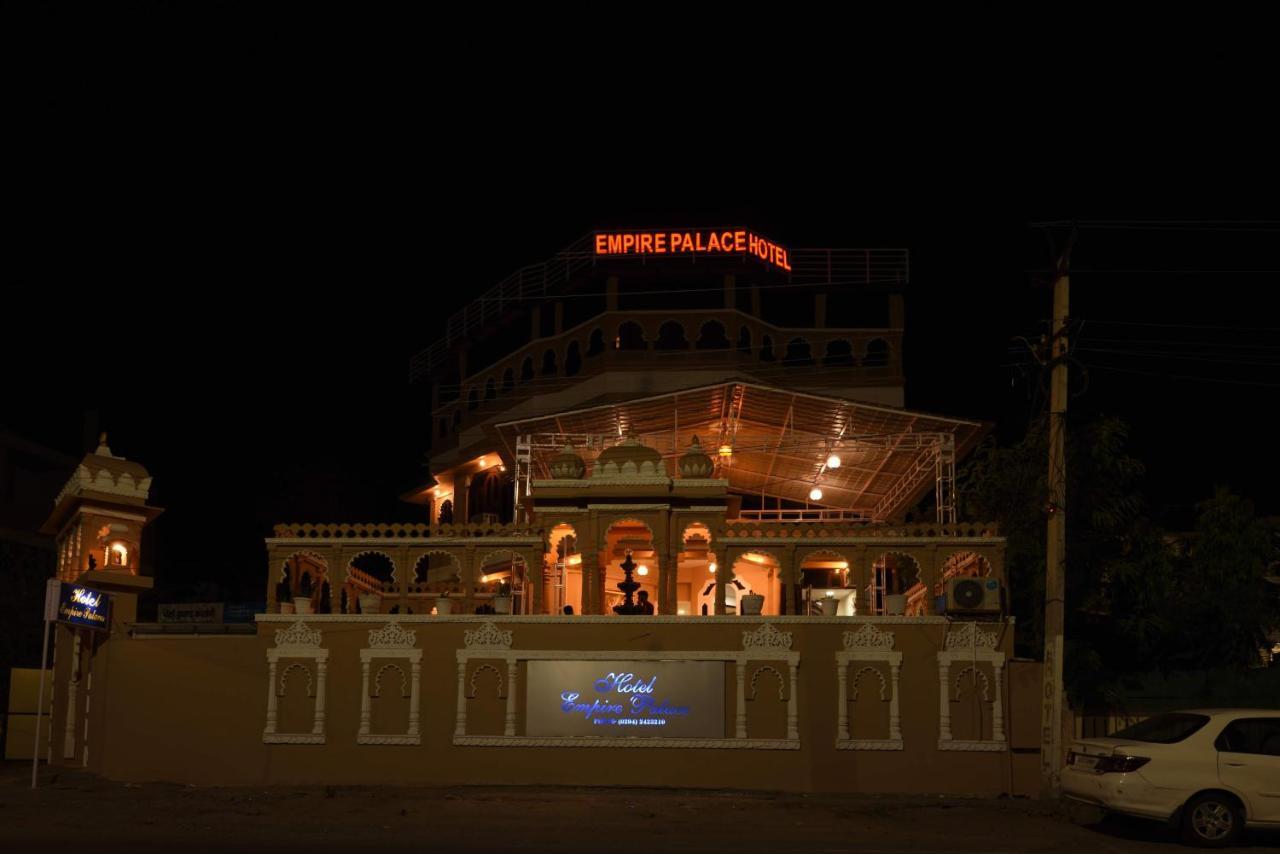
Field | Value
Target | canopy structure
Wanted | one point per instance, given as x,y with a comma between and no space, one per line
773,443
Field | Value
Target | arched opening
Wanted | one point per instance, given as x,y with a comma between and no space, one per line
693,568
504,584
766,349
595,346
877,354
671,337
490,498
958,565
798,354
827,589
370,579
572,360
446,512
622,538
895,584
435,573
712,337
564,576
839,354
630,337
549,363
302,577
753,573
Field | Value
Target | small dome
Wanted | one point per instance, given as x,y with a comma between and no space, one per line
695,463
629,458
567,465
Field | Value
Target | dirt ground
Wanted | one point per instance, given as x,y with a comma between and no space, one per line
78,809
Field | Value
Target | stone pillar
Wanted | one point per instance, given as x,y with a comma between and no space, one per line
364,698
404,577
860,571
944,705
724,572
895,718
321,670
73,687
271,697
929,575
842,699
997,704
510,727
460,717
793,715
415,681
740,712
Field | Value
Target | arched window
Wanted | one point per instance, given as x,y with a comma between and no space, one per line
712,337
630,337
671,337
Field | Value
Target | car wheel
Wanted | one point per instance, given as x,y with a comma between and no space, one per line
1212,821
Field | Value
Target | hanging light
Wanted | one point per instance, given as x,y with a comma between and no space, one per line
712,569
726,450
815,494
833,461
642,570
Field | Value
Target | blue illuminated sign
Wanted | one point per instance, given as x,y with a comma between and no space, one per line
80,606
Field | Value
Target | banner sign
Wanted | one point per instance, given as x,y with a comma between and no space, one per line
80,606
612,699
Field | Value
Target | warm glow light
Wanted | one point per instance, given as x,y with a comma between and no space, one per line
642,570
484,579
736,242
712,569
726,450
815,494
833,461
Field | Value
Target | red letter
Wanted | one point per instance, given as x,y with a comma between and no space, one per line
600,250
628,242
615,244
713,242
660,243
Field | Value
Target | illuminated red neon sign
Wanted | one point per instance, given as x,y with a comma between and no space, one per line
708,241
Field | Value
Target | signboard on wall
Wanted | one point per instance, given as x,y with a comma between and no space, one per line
190,612
80,606
715,241
613,699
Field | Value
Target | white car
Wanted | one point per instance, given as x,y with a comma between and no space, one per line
1213,771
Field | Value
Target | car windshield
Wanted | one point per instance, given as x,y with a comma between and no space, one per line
1163,729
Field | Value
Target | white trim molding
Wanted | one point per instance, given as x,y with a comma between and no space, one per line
967,644
868,644
296,641
391,641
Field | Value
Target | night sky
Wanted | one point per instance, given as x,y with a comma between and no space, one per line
228,250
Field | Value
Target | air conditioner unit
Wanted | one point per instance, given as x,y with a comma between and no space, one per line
973,596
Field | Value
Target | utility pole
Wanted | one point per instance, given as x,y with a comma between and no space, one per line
1051,697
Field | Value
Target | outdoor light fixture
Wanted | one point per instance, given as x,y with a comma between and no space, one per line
642,570
712,569
833,461
726,450
815,494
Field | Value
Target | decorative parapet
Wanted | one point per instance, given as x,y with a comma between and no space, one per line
839,529
399,531
767,637
868,637
392,636
298,636
488,636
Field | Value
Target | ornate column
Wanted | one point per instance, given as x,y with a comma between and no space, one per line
895,720
510,728
740,713
997,705
321,668
460,719
271,697
723,574
793,718
842,700
416,680
944,706
364,698
861,578
73,686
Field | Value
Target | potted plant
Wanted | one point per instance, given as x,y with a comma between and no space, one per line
751,604
283,597
444,604
502,598
302,602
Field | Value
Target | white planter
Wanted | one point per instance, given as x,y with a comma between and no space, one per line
751,604
444,605
286,607
370,603
829,605
502,604
895,604
302,604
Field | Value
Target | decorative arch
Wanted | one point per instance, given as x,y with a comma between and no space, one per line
895,573
965,565
377,680
798,353
853,683
376,564
986,685
471,695
422,565
284,678
755,678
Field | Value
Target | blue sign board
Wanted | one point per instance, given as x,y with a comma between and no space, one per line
80,606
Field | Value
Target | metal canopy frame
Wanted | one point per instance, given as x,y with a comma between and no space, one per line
779,441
